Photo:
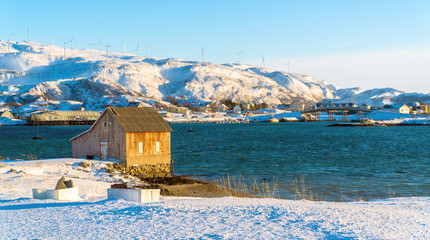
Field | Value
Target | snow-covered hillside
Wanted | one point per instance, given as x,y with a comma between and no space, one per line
34,75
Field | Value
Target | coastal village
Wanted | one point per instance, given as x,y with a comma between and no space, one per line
123,161
227,112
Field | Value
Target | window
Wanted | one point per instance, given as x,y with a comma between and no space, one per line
140,147
157,147
106,126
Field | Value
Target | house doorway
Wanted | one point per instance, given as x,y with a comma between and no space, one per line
103,150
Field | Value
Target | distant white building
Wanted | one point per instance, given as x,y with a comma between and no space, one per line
398,108
366,106
404,109
237,109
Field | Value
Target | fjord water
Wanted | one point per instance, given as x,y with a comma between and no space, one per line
343,163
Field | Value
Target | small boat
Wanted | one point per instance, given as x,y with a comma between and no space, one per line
273,120
37,136
191,127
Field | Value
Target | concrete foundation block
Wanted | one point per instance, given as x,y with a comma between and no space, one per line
68,194
135,195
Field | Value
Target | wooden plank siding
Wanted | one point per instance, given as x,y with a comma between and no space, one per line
89,142
149,155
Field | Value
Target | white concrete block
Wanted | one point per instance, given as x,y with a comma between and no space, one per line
68,194
135,195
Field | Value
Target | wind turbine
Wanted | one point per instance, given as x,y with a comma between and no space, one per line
28,32
137,51
203,55
263,62
123,47
238,54
107,50
71,43
52,39
71,40
65,49
147,52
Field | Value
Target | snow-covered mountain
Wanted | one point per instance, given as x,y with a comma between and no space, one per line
378,96
34,75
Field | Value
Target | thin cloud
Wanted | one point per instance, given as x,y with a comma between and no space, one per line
407,70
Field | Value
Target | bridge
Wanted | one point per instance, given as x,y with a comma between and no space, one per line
331,110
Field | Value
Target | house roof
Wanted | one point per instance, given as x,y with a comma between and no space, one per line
135,119
139,119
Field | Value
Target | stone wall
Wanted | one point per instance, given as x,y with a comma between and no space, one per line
143,171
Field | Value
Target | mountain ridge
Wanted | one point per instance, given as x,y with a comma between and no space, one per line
31,73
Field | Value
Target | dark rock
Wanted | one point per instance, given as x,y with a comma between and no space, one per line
119,185
69,184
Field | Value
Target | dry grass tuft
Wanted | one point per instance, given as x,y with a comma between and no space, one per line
303,193
31,156
265,189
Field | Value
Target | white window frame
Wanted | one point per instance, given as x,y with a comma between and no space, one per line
157,147
106,126
140,147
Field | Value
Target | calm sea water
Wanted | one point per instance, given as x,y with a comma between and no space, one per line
339,163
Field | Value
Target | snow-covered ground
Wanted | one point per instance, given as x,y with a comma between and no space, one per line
96,217
11,122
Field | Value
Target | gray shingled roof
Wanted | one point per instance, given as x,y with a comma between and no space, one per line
140,119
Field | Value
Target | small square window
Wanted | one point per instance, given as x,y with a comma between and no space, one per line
140,147
106,126
157,147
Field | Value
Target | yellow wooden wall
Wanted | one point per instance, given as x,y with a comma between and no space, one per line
149,156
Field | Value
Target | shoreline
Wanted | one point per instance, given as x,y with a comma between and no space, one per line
377,125
341,124
180,185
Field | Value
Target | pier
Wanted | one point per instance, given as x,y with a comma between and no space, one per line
344,110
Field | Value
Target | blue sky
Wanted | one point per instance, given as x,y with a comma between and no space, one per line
363,44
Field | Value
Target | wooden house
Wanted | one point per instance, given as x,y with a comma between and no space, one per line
398,108
183,110
134,135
